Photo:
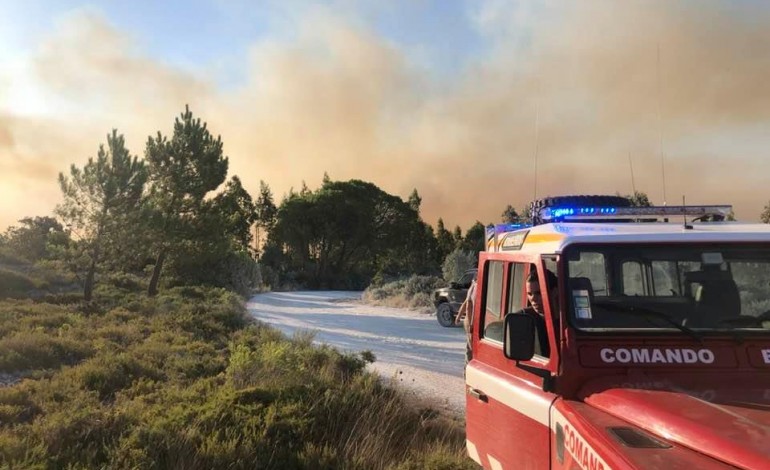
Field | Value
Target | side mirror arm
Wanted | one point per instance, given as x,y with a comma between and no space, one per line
518,345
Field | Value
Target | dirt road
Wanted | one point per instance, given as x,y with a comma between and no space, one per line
412,349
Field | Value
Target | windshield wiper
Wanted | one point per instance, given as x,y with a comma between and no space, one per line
650,313
746,320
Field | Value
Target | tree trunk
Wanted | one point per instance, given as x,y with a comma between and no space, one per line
88,288
152,290
256,242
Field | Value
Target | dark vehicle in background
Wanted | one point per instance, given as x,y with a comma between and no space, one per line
448,299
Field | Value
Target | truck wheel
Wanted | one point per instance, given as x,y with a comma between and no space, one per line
444,315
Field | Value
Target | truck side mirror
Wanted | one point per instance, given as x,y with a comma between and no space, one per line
519,337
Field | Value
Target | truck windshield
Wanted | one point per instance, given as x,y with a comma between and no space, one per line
669,287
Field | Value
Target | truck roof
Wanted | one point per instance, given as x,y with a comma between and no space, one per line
554,237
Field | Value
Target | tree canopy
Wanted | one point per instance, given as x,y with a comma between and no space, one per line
342,234
183,170
639,199
175,211
510,216
98,196
34,238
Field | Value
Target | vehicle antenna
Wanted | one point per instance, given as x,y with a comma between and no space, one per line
660,133
684,214
537,134
631,164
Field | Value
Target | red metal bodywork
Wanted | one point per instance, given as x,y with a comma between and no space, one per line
712,412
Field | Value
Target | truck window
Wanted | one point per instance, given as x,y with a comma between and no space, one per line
493,324
665,279
516,287
754,287
705,286
591,265
633,278
550,263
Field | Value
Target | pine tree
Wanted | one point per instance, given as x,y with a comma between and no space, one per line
236,211
446,243
415,200
266,213
510,216
183,170
97,196
457,236
639,199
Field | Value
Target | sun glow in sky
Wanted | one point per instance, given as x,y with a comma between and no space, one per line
437,95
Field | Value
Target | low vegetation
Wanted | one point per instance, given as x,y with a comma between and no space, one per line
413,292
185,380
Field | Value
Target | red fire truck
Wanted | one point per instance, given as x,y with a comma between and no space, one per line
658,342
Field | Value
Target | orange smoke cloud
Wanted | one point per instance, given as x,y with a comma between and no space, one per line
343,100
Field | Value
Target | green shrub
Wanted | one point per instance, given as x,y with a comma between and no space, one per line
421,285
375,294
181,357
67,298
189,292
10,256
107,296
126,281
121,335
37,350
18,452
121,315
47,318
414,292
25,316
421,300
107,374
184,380
456,263
283,363
212,320
269,275
81,436
16,406
15,285
240,273
57,275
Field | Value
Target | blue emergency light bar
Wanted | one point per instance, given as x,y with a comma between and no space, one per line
557,214
510,227
493,231
567,211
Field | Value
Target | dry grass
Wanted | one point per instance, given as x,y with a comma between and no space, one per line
412,293
184,381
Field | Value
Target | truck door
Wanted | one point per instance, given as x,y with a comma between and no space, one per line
507,411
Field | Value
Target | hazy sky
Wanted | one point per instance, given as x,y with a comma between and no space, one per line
453,98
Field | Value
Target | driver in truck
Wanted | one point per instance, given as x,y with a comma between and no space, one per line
536,308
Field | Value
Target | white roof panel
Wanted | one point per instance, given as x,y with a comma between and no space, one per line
554,237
